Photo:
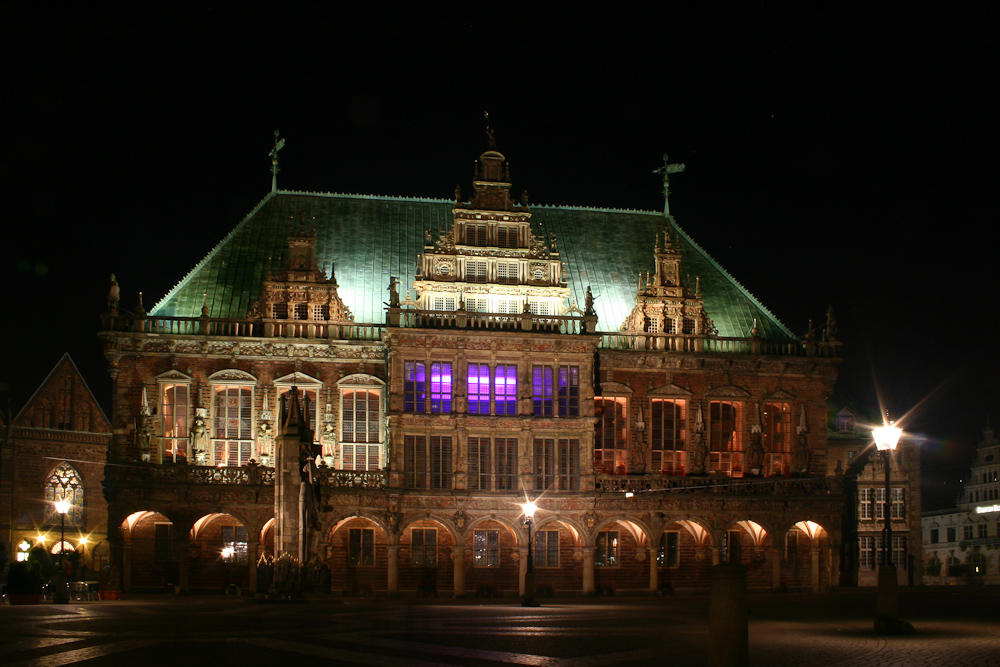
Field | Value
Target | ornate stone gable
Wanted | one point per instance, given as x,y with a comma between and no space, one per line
664,303
300,289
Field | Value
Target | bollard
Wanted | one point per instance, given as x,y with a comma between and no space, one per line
728,637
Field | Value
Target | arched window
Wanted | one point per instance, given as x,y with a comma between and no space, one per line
65,483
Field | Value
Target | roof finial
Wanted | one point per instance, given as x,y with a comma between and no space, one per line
490,137
278,145
665,171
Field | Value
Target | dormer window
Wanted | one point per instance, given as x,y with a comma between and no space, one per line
475,235
279,311
507,273
507,236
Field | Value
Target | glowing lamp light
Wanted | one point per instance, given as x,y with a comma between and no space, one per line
887,437
62,506
228,552
529,509
83,541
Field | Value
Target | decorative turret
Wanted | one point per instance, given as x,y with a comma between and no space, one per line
300,290
663,303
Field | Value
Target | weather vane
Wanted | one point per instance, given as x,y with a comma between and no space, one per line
665,171
278,145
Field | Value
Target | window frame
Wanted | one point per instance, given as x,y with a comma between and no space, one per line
427,558
726,457
486,548
174,446
546,548
607,554
677,425
615,428
360,551
246,442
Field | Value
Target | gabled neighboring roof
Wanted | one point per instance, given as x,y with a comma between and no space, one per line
371,238
63,401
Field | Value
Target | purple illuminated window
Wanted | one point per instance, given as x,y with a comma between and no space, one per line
505,390
479,389
541,390
569,391
441,387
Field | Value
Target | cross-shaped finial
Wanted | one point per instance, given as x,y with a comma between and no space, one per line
665,171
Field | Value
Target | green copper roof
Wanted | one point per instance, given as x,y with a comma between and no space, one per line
371,238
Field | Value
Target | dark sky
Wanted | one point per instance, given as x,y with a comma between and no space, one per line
834,157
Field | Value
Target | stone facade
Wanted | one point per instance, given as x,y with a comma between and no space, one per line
393,458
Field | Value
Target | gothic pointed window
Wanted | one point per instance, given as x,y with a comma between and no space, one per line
175,413
232,432
65,483
777,438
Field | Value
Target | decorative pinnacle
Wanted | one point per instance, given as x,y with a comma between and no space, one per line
665,172
278,145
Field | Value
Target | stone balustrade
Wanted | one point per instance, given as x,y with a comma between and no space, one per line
758,486
715,344
190,474
353,479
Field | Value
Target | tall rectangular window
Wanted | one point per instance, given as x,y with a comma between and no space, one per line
361,547
478,381
447,303
725,422
935,536
981,531
542,390
734,551
507,236
791,546
505,389
557,464
165,546
777,438
611,436
606,553
506,458
879,503
233,433
480,464
547,383
175,402
507,273
360,417
864,503
899,553
486,548
441,387
898,507
414,386
427,462
423,547
951,534
475,272
866,553
475,234
668,430
569,391
547,548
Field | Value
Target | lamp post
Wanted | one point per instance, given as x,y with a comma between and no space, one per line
529,576
62,593
887,599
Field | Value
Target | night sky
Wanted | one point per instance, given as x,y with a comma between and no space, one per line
839,158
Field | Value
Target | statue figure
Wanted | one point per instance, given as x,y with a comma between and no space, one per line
113,293
144,438
458,193
755,453
199,437
699,448
589,303
393,292
802,453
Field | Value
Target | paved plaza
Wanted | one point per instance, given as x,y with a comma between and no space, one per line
955,626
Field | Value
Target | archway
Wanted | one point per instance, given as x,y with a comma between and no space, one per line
218,554
683,556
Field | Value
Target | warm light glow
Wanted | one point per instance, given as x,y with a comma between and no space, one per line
62,506
629,494
83,541
24,545
985,509
228,552
529,509
41,538
886,437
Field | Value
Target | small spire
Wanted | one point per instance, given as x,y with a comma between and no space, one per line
145,403
114,292
278,145
665,172
204,304
139,310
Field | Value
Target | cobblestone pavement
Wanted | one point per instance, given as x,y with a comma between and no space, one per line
955,626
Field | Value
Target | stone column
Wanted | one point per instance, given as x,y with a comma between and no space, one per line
522,569
589,587
182,561
716,555
458,563
126,564
834,567
814,558
392,583
253,553
776,569
654,574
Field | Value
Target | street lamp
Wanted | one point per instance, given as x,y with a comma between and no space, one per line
529,600
887,599
886,439
62,594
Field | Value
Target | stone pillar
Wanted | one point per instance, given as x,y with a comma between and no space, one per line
126,564
827,570
182,561
654,574
775,569
834,568
392,582
716,555
522,552
458,563
728,635
287,484
253,553
589,587
814,558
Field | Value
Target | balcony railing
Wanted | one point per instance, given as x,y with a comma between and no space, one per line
353,479
716,344
979,542
189,474
767,486
247,328
462,319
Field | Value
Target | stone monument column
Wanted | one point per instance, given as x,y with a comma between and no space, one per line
288,483
589,587
654,574
392,580
458,562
